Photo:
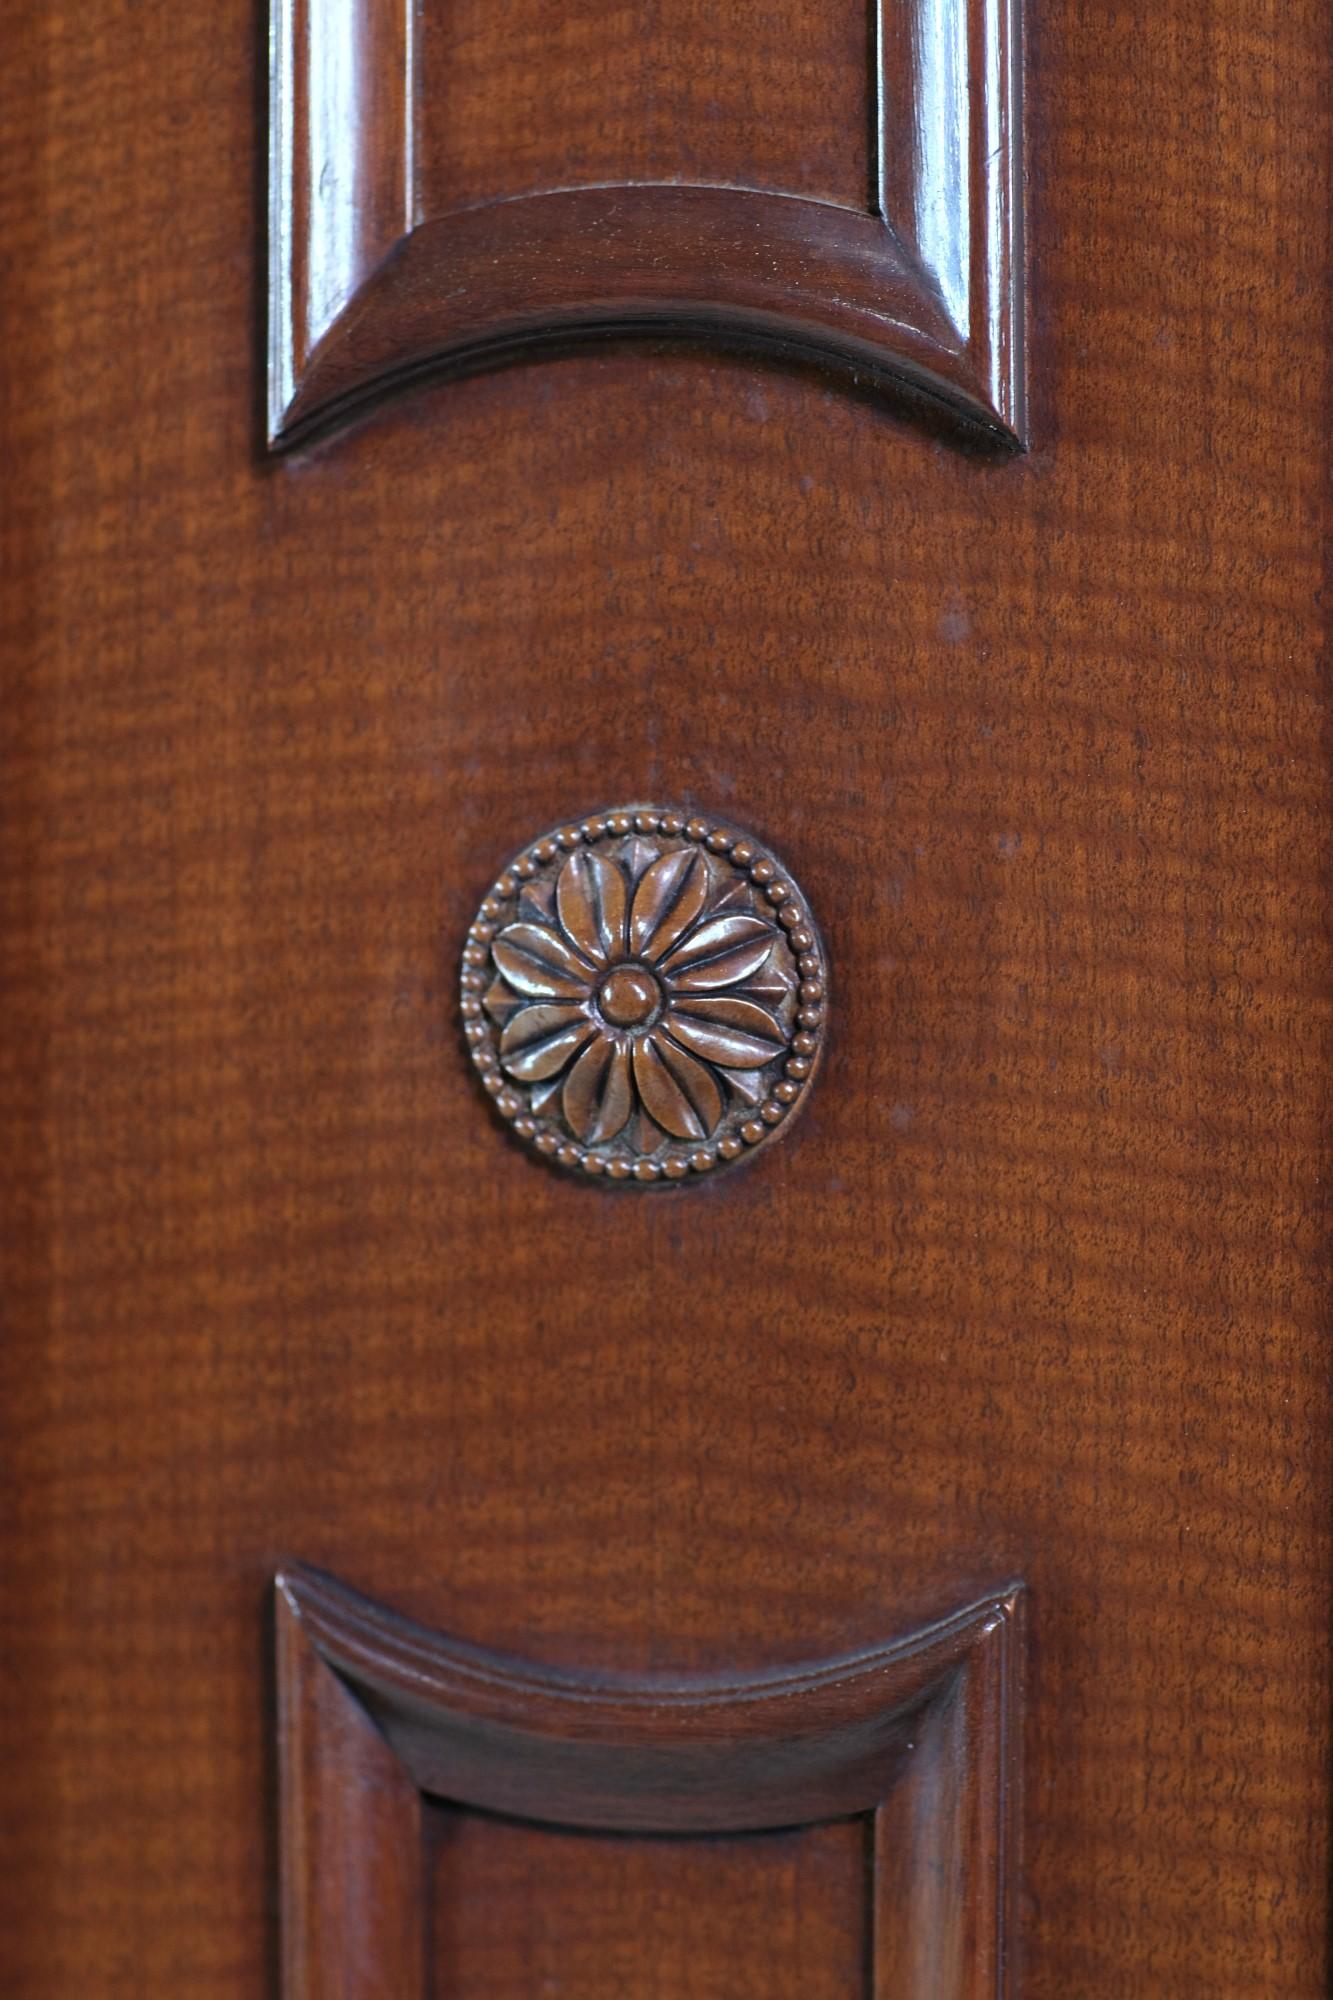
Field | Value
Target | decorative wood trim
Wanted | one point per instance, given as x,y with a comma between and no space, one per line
704,951
924,288
351,1836
374,1712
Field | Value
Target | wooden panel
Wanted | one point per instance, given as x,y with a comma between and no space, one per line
921,1734
1039,1284
450,184
538,95
519,1910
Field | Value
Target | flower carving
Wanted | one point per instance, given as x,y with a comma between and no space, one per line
645,993
638,998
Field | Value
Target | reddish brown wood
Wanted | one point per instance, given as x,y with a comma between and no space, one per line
351,1852
451,186
1038,1284
519,1909
922,1734
644,994
945,1880
562,96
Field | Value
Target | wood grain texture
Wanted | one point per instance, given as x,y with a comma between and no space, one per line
919,1737
351,1850
518,1909
1038,1286
582,95
449,185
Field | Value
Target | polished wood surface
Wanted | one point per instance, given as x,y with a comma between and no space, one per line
418,218
1036,1288
519,1909
645,995
917,1743
568,95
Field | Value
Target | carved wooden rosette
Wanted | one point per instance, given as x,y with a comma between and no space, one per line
644,994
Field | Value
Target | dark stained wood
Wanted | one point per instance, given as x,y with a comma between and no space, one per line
650,187
1037,1287
919,1739
351,1849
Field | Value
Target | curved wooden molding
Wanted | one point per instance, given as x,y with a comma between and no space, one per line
376,1714
370,282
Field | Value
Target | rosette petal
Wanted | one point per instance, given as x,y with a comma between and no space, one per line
540,1040
591,899
539,963
597,1096
729,1047
670,895
722,952
732,1012
675,1090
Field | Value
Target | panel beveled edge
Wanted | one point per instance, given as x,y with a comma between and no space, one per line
366,292
374,1712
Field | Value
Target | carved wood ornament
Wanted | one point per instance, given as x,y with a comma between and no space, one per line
645,995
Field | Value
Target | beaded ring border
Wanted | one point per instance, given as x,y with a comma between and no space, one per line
683,1161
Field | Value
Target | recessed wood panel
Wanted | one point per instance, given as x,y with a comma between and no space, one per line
574,93
518,1910
444,1807
454,183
